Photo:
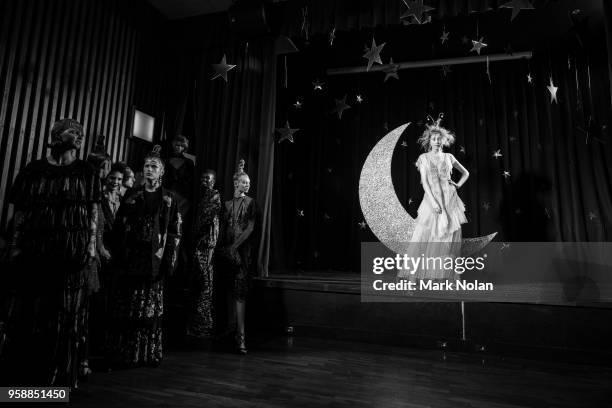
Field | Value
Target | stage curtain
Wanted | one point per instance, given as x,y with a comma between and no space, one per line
608,24
226,120
345,15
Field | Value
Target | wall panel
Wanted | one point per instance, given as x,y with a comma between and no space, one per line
85,59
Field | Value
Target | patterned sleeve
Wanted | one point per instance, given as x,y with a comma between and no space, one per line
421,162
174,233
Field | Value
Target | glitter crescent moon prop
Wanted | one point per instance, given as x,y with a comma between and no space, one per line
381,208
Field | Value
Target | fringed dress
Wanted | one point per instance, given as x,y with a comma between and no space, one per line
53,274
238,219
206,232
438,235
148,225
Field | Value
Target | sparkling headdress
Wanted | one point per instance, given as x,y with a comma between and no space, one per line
155,154
433,126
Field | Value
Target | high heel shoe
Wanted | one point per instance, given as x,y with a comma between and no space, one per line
240,344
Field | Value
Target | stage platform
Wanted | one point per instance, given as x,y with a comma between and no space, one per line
328,304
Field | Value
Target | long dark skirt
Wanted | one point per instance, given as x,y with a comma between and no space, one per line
46,333
135,335
201,319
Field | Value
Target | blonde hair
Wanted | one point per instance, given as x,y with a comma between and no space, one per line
448,138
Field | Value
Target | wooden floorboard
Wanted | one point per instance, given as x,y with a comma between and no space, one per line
309,372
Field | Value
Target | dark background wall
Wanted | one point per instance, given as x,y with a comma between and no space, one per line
89,60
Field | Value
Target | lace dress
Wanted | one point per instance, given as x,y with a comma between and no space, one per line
438,235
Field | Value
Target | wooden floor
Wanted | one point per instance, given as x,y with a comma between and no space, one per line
307,372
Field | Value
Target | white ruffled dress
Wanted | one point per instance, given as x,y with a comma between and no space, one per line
438,235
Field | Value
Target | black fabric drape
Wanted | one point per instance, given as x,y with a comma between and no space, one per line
346,15
608,24
231,120
560,186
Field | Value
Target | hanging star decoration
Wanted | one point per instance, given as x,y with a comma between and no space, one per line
486,205
332,37
362,225
478,45
300,213
416,10
404,144
506,174
373,54
462,149
505,245
286,133
318,85
497,154
444,37
445,70
297,104
553,91
221,69
391,70
517,6
410,201
592,215
341,106
359,98
529,78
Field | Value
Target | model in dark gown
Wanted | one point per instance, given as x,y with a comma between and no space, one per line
148,225
206,232
237,247
53,268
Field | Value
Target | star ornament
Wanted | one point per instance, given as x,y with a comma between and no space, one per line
286,133
506,174
362,225
529,78
372,54
497,154
221,69
318,85
391,70
478,45
517,6
416,9
445,70
359,98
444,37
341,106
297,104
553,91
